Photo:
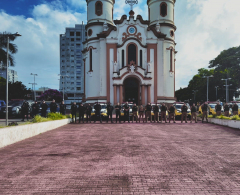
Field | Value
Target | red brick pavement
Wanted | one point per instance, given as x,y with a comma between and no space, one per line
139,159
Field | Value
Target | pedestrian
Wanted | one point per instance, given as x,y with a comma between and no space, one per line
118,112
164,112
194,113
148,112
184,109
81,111
98,108
156,113
205,111
126,112
235,109
74,112
218,109
63,108
89,112
35,109
24,110
53,106
44,107
171,113
135,112
226,110
109,111
141,111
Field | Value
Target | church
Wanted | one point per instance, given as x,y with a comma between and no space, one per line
129,59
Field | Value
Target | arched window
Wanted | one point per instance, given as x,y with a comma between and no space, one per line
132,53
98,8
90,63
123,58
141,58
163,9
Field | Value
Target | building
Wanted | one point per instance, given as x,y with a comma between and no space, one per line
12,75
71,62
130,59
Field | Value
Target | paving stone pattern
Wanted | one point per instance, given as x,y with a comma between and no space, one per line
141,159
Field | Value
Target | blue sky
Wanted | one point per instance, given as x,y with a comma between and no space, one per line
204,29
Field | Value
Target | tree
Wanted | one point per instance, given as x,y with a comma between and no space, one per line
3,49
51,94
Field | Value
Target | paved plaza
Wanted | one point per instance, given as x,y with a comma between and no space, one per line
116,159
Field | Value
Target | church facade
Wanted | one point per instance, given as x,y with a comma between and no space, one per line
130,59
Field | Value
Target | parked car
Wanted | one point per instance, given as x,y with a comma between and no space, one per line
103,110
178,111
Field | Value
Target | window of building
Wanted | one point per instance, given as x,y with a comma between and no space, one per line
172,33
63,44
72,83
85,34
78,61
163,9
171,68
78,56
78,33
72,55
71,33
63,60
78,72
90,32
72,39
78,45
78,50
78,39
141,58
90,60
78,67
123,58
78,83
72,61
63,49
78,77
78,88
98,8
62,55
72,44
132,53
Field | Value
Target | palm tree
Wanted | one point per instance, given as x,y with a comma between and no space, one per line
3,49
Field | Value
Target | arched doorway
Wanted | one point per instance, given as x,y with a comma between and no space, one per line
131,90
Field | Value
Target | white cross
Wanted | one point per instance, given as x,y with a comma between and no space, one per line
132,68
131,3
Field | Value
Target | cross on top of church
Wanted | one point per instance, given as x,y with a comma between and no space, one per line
131,3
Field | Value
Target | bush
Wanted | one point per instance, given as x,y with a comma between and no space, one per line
235,117
38,119
56,116
210,116
200,115
69,115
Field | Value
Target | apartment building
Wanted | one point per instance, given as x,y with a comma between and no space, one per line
12,75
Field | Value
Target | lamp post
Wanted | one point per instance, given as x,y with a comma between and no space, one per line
7,35
207,83
34,85
63,76
32,88
194,92
227,94
216,91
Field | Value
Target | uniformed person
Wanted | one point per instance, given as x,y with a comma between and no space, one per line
156,113
118,112
63,108
98,108
235,109
164,112
171,111
74,112
88,112
81,110
44,107
35,109
24,110
205,111
109,112
126,112
53,106
193,113
218,109
148,112
135,112
141,112
184,109
226,110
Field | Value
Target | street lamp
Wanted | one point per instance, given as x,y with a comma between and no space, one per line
7,35
194,92
207,83
34,85
32,88
216,91
227,93
63,76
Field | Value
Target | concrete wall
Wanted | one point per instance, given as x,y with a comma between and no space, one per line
10,135
228,123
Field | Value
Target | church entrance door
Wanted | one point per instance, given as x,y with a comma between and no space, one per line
131,90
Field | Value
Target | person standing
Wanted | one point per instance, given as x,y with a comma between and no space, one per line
109,111
205,111
218,109
148,112
135,112
44,107
235,109
74,112
226,110
126,112
25,109
118,112
184,109
81,111
171,113
164,112
156,113
53,106
88,112
98,108
35,109
194,113
141,111
63,108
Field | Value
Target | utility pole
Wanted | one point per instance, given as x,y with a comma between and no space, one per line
63,76
207,83
216,91
227,88
32,89
194,92
34,85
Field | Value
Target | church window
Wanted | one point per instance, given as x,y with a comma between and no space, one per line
148,13
172,33
132,53
171,59
122,58
90,60
98,8
141,58
163,9
89,32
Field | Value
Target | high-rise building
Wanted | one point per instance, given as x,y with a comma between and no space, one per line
71,62
12,75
